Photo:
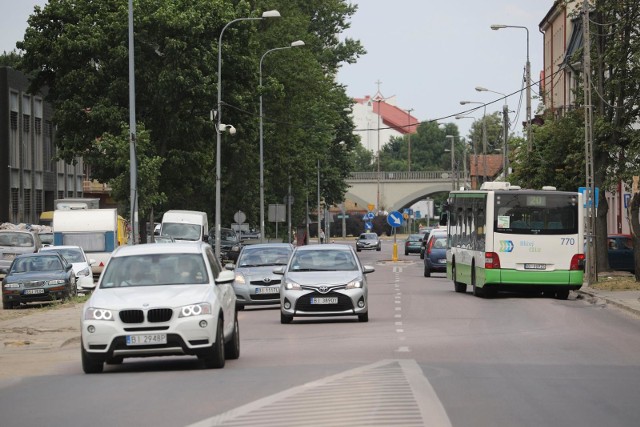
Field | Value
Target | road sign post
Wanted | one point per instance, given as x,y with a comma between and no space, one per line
395,220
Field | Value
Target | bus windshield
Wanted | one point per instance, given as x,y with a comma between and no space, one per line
537,213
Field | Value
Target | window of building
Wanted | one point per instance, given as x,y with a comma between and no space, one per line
14,140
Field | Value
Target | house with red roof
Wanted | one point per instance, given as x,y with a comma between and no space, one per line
377,119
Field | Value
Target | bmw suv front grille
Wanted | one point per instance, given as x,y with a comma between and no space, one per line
155,315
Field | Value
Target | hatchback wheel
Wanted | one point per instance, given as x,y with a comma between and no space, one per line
284,319
363,317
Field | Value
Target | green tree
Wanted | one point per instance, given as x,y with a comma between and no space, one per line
10,59
79,50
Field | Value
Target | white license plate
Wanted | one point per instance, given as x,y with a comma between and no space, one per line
146,339
442,261
535,266
324,300
33,291
268,290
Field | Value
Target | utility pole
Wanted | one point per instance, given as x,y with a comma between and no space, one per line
505,159
588,152
409,137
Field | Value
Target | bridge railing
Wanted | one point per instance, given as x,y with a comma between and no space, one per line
401,176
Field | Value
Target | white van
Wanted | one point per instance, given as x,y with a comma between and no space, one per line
185,226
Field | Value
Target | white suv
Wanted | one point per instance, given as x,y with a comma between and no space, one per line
161,300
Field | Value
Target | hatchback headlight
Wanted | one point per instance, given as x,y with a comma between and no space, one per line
84,272
56,282
292,286
354,284
240,279
93,313
195,309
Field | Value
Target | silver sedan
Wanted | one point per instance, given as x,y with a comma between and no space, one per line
255,283
324,280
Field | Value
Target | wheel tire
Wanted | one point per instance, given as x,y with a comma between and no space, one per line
379,249
406,253
90,365
232,347
563,294
285,319
7,305
427,271
215,358
240,307
421,255
489,292
458,286
358,250
363,317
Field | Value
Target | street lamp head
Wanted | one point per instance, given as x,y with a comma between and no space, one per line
496,27
459,116
230,128
297,43
271,14
481,89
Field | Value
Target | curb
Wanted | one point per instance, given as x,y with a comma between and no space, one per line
595,298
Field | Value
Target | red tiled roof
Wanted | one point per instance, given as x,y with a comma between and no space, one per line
392,116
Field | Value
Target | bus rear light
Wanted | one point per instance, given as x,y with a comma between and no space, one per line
577,262
491,260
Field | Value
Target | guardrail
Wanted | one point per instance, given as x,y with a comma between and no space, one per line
401,176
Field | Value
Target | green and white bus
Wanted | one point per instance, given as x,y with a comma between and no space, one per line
504,238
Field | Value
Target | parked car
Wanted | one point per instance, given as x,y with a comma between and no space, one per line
620,251
323,280
230,244
255,282
163,238
43,276
423,243
46,237
16,242
435,254
81,265
412,244
368,241
164,299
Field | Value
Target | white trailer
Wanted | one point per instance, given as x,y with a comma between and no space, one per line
94,230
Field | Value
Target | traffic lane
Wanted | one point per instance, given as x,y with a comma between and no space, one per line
273,359
520,359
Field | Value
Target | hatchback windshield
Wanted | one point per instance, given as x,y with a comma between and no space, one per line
155,269
263,256
71,255
323,260
368,236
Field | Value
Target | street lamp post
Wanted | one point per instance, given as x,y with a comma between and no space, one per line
267,14
527,77
379,100
453,162
133,166
484,138
262,231
409,137
505,125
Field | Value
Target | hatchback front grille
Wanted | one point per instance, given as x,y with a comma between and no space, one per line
304,303
264,283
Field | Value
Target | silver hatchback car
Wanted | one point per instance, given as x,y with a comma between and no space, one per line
324,280
255,283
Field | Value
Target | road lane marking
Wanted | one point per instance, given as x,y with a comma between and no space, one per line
389,393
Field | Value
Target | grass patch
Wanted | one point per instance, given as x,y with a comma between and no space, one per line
616,283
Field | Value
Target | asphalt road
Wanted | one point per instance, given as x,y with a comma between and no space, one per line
428,356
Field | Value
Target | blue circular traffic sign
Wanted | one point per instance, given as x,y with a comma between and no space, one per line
395,219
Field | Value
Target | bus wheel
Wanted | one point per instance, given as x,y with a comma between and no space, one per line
478,292
459,287
563,294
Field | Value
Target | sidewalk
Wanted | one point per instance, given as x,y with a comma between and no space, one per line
628,301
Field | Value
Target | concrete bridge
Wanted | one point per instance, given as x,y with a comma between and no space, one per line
393,191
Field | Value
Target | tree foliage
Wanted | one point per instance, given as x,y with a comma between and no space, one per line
78,49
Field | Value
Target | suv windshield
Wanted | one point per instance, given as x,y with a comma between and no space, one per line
9,238
156,269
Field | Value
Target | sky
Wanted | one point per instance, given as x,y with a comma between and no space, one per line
429,54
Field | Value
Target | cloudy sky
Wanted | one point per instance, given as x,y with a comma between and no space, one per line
429,54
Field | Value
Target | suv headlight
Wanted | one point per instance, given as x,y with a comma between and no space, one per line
12,285
93,313
292,286
195,309
354,284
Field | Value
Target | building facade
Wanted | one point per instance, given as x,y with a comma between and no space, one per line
30,177
563,36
